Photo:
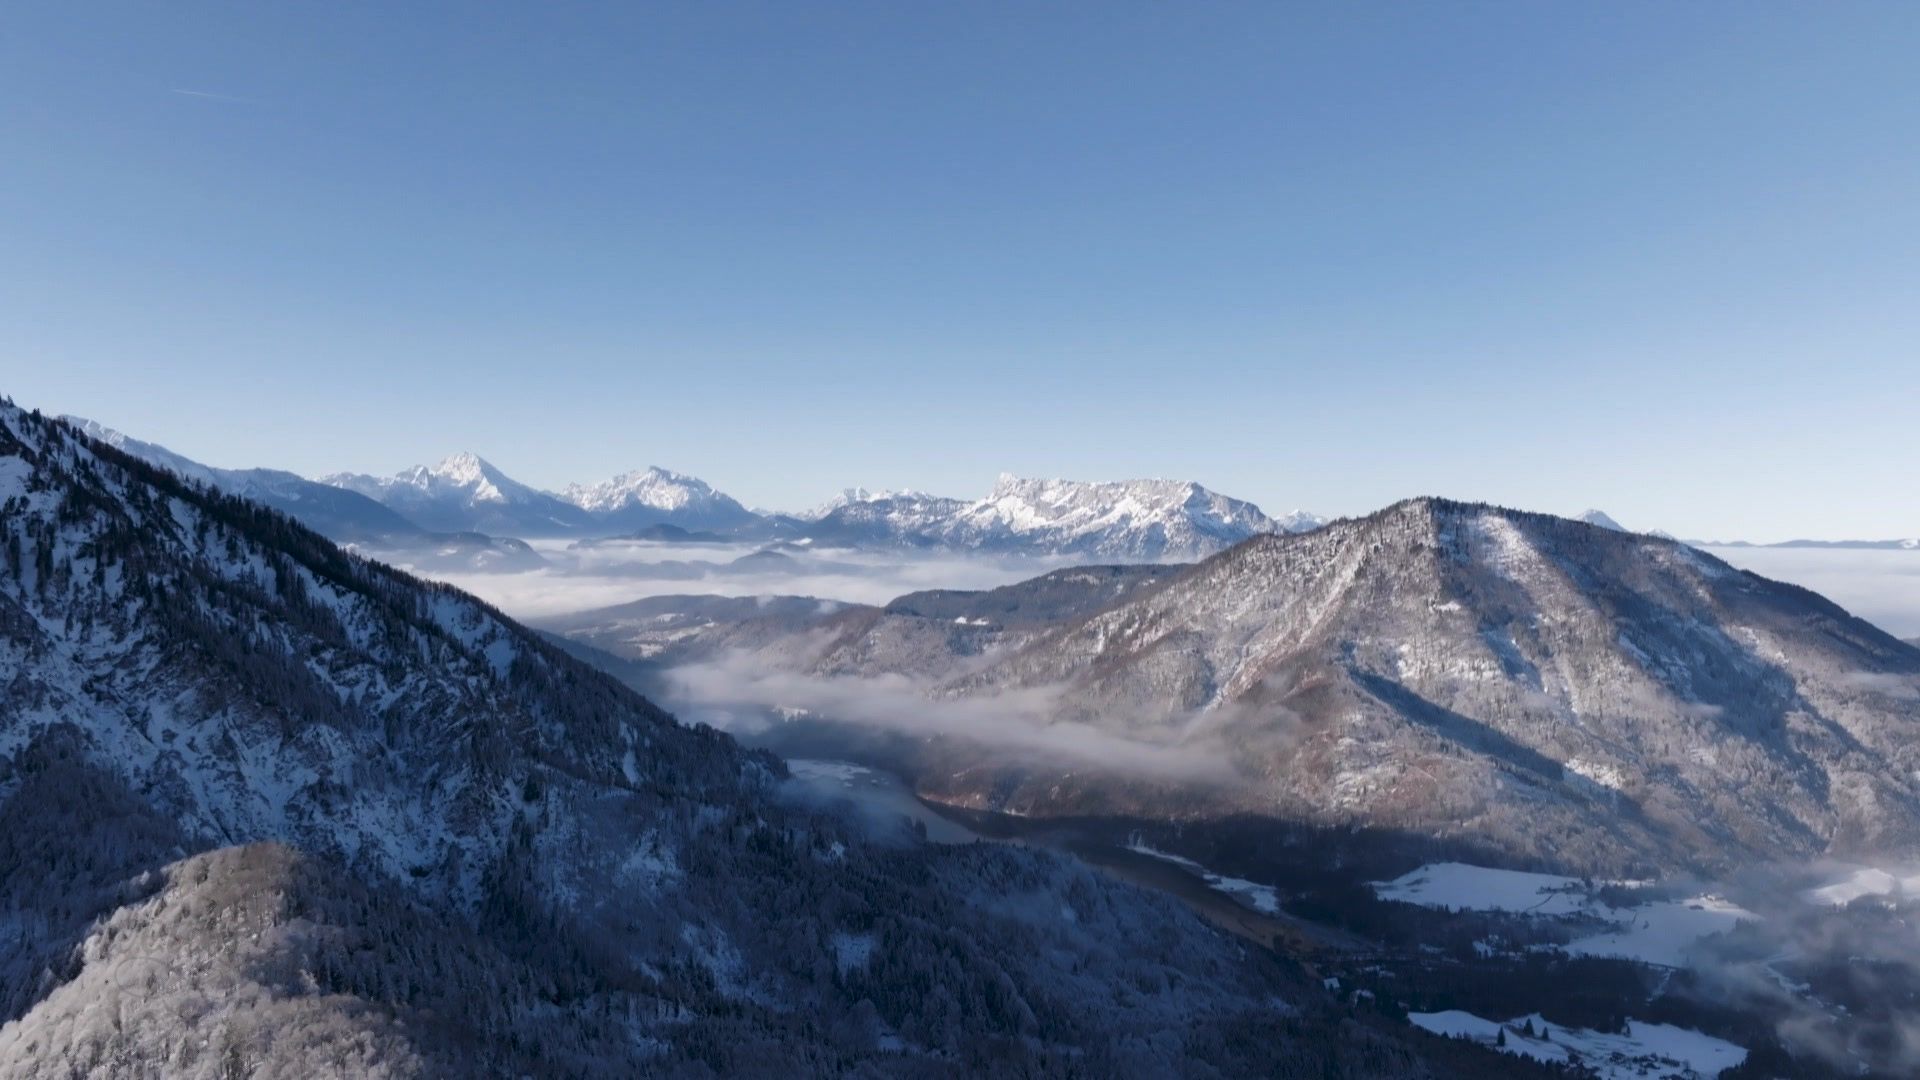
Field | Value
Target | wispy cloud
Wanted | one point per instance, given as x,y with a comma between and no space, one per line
580,579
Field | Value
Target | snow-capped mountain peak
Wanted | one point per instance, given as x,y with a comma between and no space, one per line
467,493
467,473
856,496
1600,518
1131,518
653,486
653,496
1299,521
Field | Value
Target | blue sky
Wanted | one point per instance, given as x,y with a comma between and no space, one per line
1658,258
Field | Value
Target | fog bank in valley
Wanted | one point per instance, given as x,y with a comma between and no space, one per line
1881,586
581,578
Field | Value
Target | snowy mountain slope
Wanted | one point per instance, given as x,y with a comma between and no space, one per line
1845,545
339,514
268,809
465,493
854,496
655,496
343,516
1563,692
910,519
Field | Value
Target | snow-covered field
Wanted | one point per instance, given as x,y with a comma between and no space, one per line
1862,881
1644,1051
1660,932
1259,897
1461,887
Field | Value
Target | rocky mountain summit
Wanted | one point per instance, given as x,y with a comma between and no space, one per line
1544,686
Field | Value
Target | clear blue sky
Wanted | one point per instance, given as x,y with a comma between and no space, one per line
1658,258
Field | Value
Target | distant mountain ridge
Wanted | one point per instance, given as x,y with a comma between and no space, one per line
344,515
467,493
1834,545
1120,520
1131,520
340,514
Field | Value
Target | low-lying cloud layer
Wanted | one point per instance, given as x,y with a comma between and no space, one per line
604,575
741,694
1881,586
1836,975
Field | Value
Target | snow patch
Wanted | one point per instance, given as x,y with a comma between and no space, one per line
1261,898
1642,1051
1658,933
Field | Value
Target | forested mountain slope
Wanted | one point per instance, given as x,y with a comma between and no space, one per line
1562,691
270,809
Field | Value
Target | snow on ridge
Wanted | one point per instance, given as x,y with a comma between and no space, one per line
1642,1050
463,476
653,487
858,496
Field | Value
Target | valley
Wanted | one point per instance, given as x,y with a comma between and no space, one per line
1370,752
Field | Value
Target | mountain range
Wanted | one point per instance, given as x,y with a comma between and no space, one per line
267,808
1138,520
1602,519
1910,544
464,501
343,515
1559,693
1141,519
